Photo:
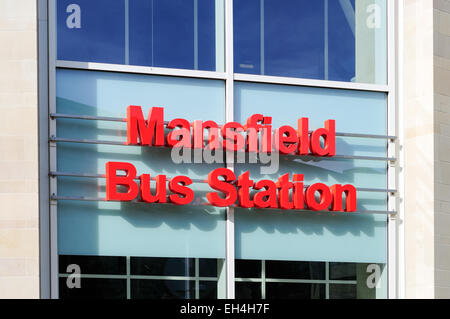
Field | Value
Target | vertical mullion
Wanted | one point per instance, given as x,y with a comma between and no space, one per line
392,149
229,117
195,34
44,182
197,280
153,34
220,33
262,42
128,269
327,279
399,111
127,32
326,43
263,279
52,152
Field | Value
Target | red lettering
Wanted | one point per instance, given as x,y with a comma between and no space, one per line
298,191
222,186
112,181
145,189
286,140
232,140
329,135
325,197
268,197
244,184
303,133
284,187
350,198
183,195
253,127
184,133
150,132
267,135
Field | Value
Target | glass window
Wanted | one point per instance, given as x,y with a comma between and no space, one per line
91,31
343,271
111,265
325,39
121,277
185,242
162,266
247,268
259,234
295,270
162,289
279,279
343,291
282,290
112,228
183,34
247,290
94,288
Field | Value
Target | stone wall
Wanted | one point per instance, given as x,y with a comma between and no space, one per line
19,203
442,143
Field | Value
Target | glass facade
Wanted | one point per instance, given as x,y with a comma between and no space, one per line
182,34
136,250
324,40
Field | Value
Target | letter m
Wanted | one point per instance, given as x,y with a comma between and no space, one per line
150,131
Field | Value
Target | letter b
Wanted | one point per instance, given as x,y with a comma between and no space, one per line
112,180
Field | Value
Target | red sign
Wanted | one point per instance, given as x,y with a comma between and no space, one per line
283,194
229,189
233,136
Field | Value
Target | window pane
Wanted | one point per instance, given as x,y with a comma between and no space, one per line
247,268
342,291
278,290
324,39
295,270
259,234
91,30
162,266
93,288
136,229
208,267
162,241
248,290
162,289
207,289
97,265
162,33
342,271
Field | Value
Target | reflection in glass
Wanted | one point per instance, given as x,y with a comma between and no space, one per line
343,271
94,288
326,39
280,290
248,290
94,264
208,267
152,266
343,291
162,289
295,269
183,34
247,268
207,289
